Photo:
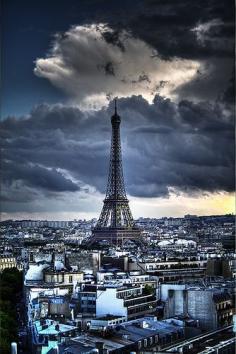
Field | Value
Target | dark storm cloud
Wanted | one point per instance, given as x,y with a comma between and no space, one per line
228,95
195,37
187,147
200,30
184,28
208,82
37,176
114,38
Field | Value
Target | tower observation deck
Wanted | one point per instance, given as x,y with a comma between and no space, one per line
115,223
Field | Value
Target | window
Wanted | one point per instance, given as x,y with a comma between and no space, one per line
70,278
139,344
145,343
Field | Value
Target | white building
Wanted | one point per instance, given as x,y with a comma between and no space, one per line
127,301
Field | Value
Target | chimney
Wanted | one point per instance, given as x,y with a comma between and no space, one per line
31,257
13,348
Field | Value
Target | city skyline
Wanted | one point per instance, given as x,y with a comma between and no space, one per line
173,76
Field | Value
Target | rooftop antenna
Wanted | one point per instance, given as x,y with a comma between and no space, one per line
116,105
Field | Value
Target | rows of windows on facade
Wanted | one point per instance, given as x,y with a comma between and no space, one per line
118,285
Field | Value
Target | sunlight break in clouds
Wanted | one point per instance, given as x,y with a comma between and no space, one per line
178,206
91,69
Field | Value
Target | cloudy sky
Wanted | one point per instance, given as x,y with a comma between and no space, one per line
171,65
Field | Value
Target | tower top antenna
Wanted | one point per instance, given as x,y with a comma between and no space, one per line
115,105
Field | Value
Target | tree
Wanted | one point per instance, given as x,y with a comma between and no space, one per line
11,282
148,290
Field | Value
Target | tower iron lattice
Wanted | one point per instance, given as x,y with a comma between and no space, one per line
115,223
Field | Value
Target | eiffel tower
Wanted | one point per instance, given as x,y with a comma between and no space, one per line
115,223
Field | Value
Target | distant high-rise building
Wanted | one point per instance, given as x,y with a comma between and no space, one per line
115,223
